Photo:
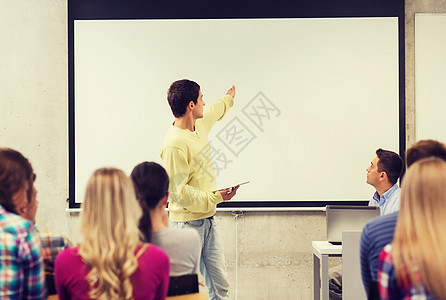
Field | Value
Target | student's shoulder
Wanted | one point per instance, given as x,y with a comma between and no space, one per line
68,258
383,220
153,256
152,260
68,253
381,229
152,250
175,235
14,225
17,234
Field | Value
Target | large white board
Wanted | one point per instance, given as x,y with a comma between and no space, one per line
430,76
315,98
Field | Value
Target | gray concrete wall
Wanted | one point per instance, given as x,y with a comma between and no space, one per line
269,254
34,98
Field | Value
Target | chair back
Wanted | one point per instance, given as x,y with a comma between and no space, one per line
195,296
373,291
185,284
352,288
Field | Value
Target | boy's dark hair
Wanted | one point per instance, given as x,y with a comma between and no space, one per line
391,163
15,172
180,94
151,184
423,149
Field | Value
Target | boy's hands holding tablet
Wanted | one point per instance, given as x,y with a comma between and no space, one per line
228,193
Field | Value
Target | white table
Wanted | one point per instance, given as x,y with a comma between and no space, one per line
321,251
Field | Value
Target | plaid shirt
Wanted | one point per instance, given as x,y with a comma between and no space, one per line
21,266
52,244
388,284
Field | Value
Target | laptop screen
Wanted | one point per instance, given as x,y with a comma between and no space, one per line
347,217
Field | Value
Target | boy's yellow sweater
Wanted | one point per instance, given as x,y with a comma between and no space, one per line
187,159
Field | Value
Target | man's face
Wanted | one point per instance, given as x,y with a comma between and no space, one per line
197,111
372,172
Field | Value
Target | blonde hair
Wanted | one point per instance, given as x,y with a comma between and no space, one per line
420,234
109,225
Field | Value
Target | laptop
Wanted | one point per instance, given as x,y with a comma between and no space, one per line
347,217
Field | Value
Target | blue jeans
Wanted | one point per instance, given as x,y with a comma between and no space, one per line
212,264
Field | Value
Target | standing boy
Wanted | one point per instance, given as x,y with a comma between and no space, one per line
187,159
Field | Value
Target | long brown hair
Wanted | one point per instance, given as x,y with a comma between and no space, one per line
420,234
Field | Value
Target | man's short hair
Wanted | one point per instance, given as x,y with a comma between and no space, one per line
423,149
15,172
180,94
391,163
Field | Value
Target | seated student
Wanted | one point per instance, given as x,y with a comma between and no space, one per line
111,262
414,265
21,266
379,232
183,246
51,243
382,174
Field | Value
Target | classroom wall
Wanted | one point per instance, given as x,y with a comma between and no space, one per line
269,254
34,98
411,8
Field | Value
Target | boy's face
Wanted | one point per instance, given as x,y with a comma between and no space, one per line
26,202
197,110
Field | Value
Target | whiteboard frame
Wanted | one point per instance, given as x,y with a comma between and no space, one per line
122,9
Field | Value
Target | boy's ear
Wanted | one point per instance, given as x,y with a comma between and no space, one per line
20,204
22,209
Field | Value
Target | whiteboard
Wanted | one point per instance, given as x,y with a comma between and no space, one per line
315,98
430,76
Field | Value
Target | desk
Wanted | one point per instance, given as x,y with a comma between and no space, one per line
321,251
